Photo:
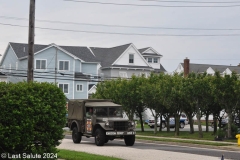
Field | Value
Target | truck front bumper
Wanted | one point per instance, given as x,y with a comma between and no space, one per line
120,133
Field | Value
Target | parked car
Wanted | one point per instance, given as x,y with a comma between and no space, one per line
151,123
225,122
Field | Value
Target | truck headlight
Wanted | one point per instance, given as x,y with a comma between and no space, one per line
130,124
107,123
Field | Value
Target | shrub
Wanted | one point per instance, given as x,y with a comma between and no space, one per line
221,133
32,117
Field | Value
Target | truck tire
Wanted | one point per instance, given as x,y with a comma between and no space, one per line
106,140
129,140
76,136
182,125
99,137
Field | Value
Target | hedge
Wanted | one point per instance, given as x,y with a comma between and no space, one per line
32,116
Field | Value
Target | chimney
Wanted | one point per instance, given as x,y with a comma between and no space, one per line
186,67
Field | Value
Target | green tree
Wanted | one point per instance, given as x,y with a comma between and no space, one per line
225,95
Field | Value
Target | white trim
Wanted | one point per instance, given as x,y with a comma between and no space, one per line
91,51
35,64
87,88
150,48
77,86
92,62
10,67
132,45
63,87
4,54
90,90
54,45
64,65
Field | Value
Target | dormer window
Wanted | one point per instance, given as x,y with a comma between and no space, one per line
131,58
155,60
149,60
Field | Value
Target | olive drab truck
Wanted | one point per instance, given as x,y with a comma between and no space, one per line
105,123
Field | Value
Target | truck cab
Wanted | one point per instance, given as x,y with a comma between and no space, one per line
105,123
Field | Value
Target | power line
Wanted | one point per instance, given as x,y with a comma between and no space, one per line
201,2
136,34
148,5
125,26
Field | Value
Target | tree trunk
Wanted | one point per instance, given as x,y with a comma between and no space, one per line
155,126
167,123
191,124
207,117
215,125
141,121
199,122
229,131
160,128
177,122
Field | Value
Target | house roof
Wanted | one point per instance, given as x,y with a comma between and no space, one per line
21,49
90,86
108,55
199,68
143,49
81,52
150,54
162,69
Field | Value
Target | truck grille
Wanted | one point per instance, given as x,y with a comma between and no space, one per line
120,126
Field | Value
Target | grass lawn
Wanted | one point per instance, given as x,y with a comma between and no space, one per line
182,134
73,155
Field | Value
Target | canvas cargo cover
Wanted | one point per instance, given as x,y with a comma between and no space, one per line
75,110
101,104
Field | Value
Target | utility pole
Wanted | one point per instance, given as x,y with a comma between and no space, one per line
56,66
31,35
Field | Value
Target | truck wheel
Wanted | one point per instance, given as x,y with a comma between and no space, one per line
182,125
129,140
106,140
99,137
76,136
163,125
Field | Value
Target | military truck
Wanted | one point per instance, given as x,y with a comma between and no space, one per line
106,123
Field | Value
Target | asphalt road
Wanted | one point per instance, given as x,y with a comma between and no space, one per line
142,147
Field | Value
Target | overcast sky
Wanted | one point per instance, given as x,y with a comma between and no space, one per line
221,50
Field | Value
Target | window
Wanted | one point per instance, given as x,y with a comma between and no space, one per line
63,65
149,60
155,60
131,58
40,64
123,74
79,87
63,87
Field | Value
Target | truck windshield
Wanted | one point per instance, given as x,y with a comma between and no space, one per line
108,112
